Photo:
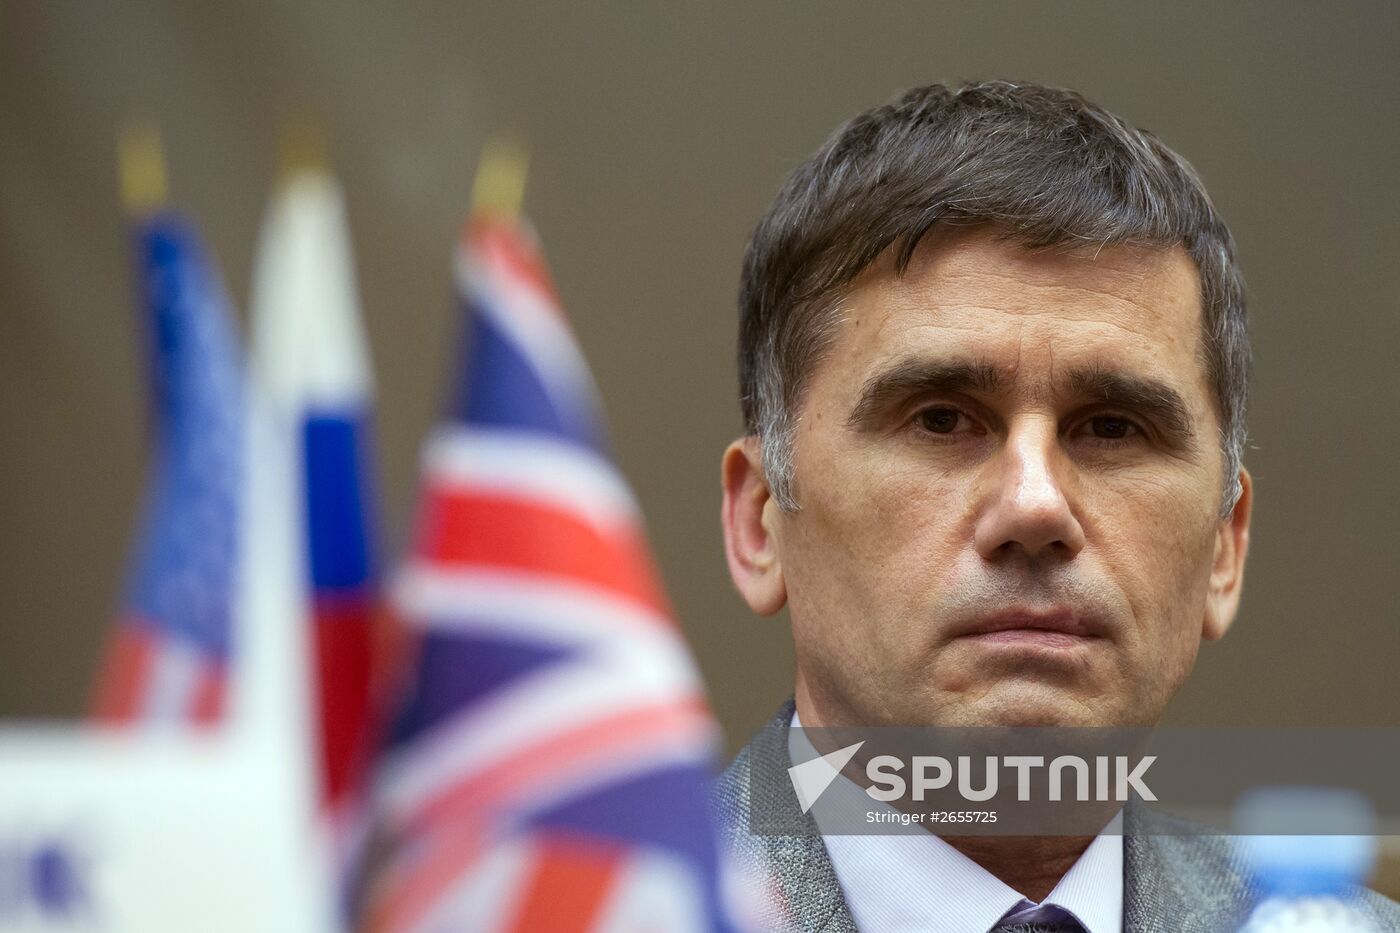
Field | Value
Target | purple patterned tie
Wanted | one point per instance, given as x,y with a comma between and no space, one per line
1030,918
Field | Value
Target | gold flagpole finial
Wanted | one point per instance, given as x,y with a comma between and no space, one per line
141,162
499,188
302,146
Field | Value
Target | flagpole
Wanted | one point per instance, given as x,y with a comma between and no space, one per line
499,187
141,164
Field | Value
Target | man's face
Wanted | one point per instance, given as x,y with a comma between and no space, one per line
1009,478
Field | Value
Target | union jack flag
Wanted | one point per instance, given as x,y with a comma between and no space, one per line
550,766
168,661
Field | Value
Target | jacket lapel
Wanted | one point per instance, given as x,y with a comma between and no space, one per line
1178,880
803,892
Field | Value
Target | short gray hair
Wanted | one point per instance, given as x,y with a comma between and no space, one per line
1044,164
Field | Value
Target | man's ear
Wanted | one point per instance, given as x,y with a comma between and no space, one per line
750,528
1227,573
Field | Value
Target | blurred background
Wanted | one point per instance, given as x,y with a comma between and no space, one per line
658,134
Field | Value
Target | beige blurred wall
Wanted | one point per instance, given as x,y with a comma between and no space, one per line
659,133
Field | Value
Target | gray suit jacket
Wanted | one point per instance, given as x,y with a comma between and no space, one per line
1182,883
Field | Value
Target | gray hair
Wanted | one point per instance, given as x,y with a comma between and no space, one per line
1049,168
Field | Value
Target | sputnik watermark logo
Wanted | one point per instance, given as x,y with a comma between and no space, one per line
1113,779
811,778
1049,781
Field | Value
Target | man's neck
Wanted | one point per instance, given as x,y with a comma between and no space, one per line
1029,865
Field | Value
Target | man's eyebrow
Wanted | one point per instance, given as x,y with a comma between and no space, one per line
909,378
921,377
1153,398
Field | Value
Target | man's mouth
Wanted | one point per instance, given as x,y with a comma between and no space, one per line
1054,628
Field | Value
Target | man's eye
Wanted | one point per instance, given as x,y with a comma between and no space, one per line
940,420
1112,428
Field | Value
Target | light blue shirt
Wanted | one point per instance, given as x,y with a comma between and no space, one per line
913,883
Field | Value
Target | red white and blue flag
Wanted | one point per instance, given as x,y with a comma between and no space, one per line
550,766
312,362
168,664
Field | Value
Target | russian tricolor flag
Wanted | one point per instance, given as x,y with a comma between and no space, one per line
311,360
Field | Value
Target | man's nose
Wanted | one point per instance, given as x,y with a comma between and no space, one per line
1028,510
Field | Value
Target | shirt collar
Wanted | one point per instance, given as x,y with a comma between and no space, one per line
907,882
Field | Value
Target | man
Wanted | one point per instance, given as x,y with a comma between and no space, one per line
993,364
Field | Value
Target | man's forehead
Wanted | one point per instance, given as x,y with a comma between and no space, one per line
964,262
977,296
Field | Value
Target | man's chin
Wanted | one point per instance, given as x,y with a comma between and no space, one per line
1023,704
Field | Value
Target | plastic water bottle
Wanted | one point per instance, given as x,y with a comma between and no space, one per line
1308,882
